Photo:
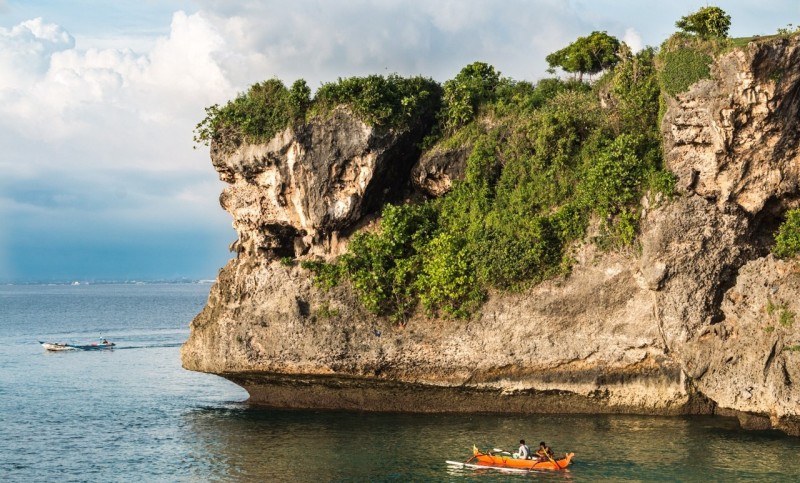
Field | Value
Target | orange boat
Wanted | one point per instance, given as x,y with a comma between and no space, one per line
505,460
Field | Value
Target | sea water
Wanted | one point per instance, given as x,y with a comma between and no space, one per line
134,414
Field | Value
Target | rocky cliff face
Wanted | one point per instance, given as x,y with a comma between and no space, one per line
311,185
698,321
733,142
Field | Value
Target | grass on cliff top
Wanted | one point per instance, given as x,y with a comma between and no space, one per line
685,59
254,116
393,102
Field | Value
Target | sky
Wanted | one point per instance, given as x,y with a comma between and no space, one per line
99,177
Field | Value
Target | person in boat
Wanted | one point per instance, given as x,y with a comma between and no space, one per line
105,342
544,453
524,452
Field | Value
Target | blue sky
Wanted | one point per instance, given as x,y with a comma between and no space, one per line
98,99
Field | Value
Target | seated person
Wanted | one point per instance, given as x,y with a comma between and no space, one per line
524,452
544,453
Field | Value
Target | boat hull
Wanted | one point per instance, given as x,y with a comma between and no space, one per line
462,465
59,347
56,347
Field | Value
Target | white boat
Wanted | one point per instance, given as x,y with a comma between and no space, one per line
58,346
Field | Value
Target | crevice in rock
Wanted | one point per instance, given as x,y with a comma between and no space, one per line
727,280
756,243
766,222
303,307
698,403
787,113
787,380
660,324
397,176
770,357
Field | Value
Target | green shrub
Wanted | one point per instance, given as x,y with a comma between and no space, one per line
770,306
255,116
326,275
326,312
788,30
786,318
448,283
569,222
662,182
391,102
383,266
776,75
299,99
473,86
268,107
614,180
517,250
625,228
787,241
635,88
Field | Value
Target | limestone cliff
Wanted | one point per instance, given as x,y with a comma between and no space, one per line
688,324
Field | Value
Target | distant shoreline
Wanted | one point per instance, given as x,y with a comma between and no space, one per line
110,282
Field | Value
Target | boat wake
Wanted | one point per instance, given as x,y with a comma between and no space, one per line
64,347
149,346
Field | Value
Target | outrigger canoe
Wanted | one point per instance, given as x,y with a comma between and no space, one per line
57,346
504,460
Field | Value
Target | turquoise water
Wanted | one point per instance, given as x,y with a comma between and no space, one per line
134,413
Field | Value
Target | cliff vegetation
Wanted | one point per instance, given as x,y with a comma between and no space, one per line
268,107
548,164
544,159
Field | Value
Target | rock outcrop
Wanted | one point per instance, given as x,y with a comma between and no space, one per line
437,169
733,143
700,320
310,185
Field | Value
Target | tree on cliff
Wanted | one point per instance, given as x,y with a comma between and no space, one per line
587,55
707,22
474,85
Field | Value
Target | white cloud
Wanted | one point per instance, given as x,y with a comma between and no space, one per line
454,16
321,41
633,39
101,99
25,50
102,137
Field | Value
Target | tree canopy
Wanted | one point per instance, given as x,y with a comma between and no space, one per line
587,55
463,95
707,22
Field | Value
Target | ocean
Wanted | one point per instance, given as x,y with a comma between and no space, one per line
134,413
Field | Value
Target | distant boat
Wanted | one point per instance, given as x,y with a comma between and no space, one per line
58,346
